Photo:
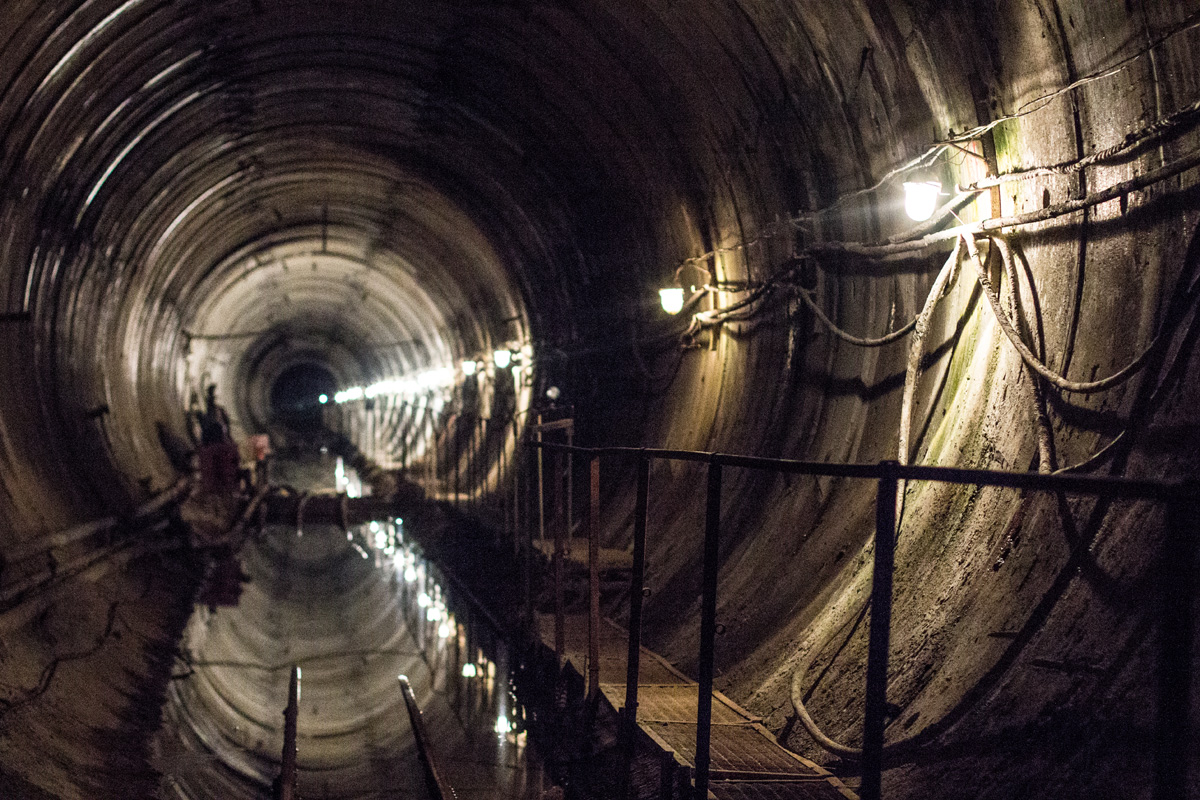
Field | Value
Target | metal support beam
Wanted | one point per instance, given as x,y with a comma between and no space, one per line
594,580
881,624
636,588
708,629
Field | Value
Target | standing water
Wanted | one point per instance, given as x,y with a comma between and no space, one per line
353,609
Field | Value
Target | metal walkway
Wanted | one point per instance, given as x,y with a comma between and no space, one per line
747,763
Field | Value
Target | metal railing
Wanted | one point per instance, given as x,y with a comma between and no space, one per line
438,788
286,787
1173,734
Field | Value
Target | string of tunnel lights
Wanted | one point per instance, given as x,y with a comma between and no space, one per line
432,380
922,203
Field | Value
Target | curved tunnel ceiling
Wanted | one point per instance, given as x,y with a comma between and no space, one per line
216,191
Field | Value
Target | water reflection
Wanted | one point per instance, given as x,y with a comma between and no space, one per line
477,723
355,608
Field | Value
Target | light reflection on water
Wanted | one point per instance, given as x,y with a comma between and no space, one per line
477,724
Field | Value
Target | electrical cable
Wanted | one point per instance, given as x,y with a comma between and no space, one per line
1006,325
807,296
915,351
1045,435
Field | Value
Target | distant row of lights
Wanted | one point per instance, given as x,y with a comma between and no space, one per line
427,381
921,198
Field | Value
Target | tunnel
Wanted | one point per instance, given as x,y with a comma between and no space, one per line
955,234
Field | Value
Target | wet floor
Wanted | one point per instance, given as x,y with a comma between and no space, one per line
354,610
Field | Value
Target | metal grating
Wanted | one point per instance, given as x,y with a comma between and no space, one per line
829,789
735,751
676,703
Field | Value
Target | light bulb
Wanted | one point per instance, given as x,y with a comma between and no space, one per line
469,367
921,199
502,358
323,399
671,299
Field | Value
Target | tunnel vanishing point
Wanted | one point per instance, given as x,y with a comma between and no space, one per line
456,209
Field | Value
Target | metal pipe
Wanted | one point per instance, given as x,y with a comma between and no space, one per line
594,580
881,623
708,628
636,588
287,770
438,788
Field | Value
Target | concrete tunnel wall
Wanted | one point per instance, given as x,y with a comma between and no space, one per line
204,191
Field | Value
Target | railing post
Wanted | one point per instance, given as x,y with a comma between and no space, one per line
708,628
636,587
560,546
594,579
541,485
438,789
287,771
1173,730
881,623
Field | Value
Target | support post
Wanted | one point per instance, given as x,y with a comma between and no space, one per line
457,450
1173,732
438,788
560,613
287,772
541,484
881,623
636,588
594,580
708,628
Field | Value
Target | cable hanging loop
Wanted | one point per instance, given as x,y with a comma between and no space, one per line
1034,363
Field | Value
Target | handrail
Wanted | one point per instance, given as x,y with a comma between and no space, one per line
1174,679
1035,481
438,788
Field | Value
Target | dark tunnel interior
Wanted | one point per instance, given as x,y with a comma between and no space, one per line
952,233
297,395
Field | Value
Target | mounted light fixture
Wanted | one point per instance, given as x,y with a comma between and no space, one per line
469,367
921,198
502,358
671,299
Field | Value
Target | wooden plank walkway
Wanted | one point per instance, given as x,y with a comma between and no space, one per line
747,763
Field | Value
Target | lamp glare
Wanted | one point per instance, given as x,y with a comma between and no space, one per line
671,299
921,199
502,358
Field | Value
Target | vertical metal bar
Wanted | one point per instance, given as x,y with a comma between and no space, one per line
438,788
457,450
594,580
525,537
708,628
881,623
560,616
471,462
287,772
570,510
515,462
1173,732
636,587
541,485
